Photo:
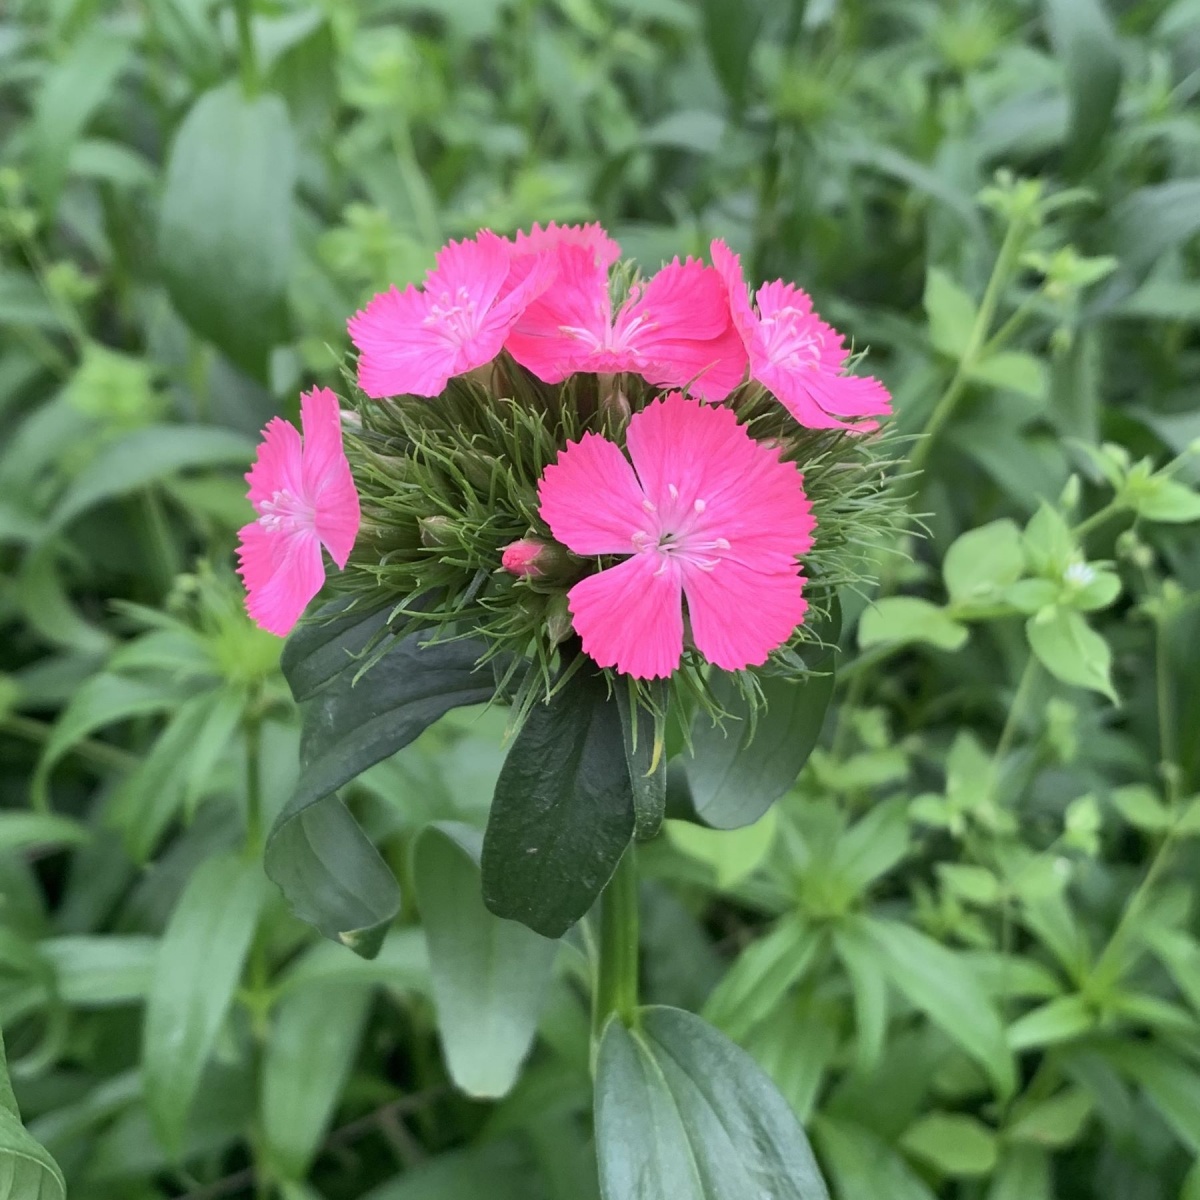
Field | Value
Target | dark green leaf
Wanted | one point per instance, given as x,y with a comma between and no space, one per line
739,771
327,868
683,1112
490,976
328,644
731,29
27,1172
562,813
225,233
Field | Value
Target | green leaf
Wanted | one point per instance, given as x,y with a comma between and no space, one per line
490,976
936,981
952,1143
1154,219
99,971
1024,1174
731,28
225,231
951,313
23,830
147,456
982,562
327,644
733,854
309,1055
864,1167
1049,544
326,867
27,1172
1055,1122
1142,808
683,1112
872,846
905,619
1058,1021
562,813
762,976
196,973
869,985
71,91
739,770
1071,650
1166,500
1172,1085
103,700
1083,38
1014,371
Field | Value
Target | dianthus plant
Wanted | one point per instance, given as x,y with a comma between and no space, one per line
621,506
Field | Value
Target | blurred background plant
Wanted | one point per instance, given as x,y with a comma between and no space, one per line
965,943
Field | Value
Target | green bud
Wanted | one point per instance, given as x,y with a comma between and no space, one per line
436,531
558,619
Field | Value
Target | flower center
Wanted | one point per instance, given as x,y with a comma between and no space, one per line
678,532
454,315
286,512
788,342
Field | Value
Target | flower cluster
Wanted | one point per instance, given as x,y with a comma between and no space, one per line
554,447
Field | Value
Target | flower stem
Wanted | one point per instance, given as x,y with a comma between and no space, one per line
1097,519
254,820
1010,249
617,970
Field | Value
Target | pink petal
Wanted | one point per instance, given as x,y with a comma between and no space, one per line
479,264
278,464
590,498
629,616
681,324
282,573
739,615
729,266
566,322
813,396
750,499
827,346
399,353
593,237
328,484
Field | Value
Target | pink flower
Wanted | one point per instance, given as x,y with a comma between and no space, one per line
305,499
796,355
592,238
705,512
412,342
674,331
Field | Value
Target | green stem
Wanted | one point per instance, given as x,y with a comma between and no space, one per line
1010,248
247,59
617,969
1097,519
1166,710
1009,732
254,820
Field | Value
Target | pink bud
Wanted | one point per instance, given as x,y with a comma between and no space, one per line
524,557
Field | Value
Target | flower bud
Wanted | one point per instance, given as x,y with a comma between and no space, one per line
532,557
436,531
558,619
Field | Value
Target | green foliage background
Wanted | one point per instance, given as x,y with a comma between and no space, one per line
964,944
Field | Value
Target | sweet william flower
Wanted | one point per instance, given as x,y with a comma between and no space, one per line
303,493
675,330
796,355
704,513
413,342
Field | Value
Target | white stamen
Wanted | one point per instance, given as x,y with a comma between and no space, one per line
699,506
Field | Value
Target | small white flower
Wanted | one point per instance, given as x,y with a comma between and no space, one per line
1080,574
